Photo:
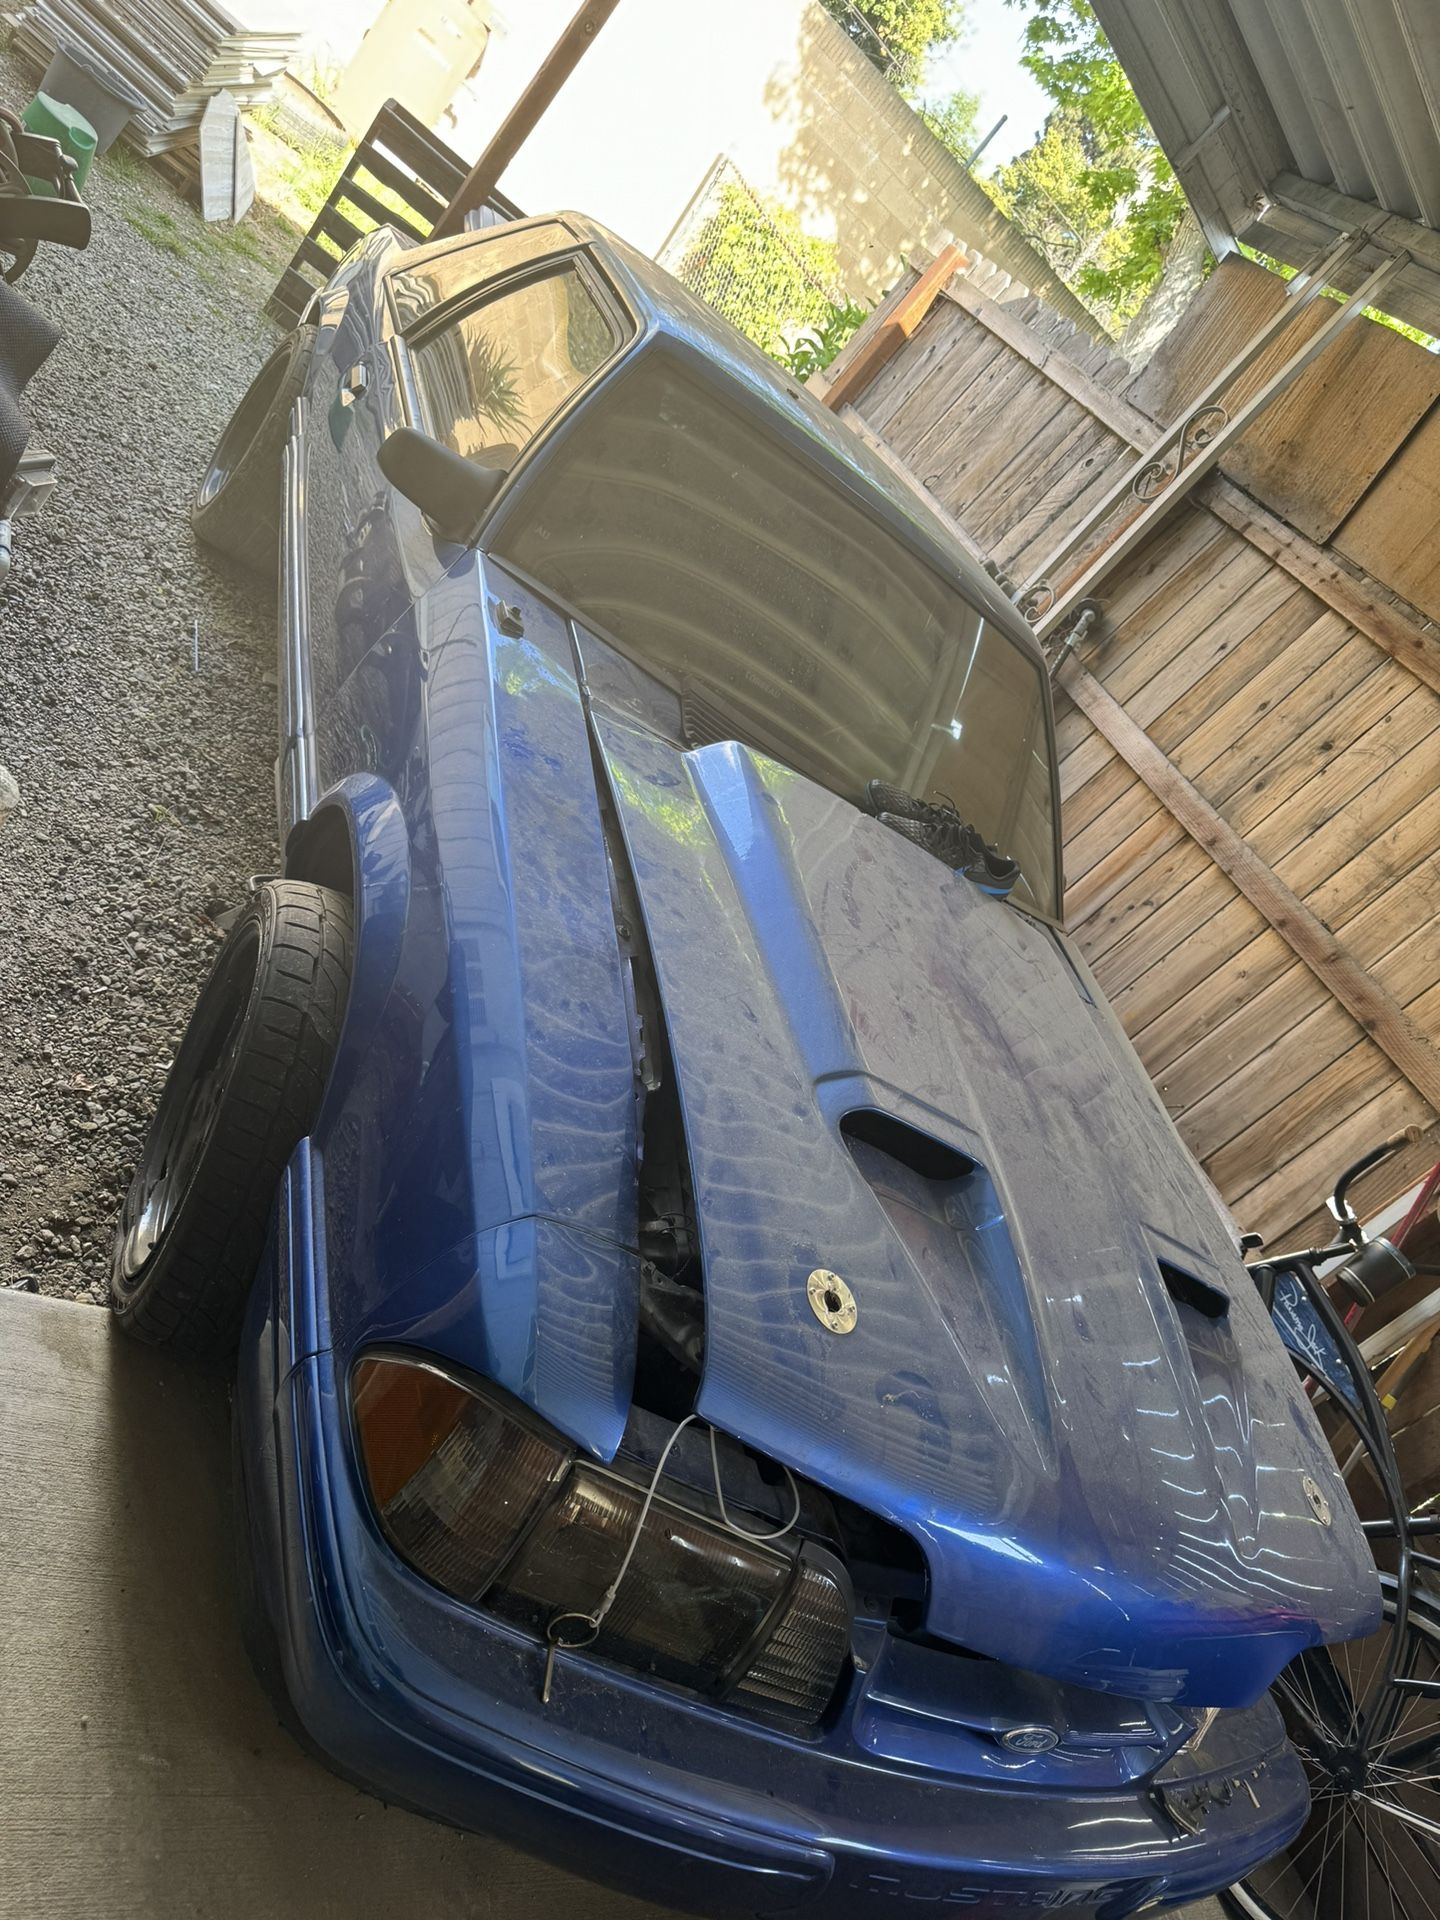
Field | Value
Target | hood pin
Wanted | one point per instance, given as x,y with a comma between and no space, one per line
831,1301
1319,1505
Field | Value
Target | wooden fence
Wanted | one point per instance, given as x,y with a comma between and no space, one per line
1249,738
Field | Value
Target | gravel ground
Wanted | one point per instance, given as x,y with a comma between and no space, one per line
146,787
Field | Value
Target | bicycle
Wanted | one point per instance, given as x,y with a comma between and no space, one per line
1364,1716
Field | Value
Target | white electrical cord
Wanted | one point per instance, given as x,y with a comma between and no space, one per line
595,1620
774,1533
605,1605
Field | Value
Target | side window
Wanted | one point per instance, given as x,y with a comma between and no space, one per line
490,382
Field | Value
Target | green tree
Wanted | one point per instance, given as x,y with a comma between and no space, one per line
1099,170
899,35
953,121
1045,192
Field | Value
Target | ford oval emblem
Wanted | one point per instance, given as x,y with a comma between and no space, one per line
1030,1739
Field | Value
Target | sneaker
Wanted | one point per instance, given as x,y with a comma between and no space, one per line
944,834
994,872
885,799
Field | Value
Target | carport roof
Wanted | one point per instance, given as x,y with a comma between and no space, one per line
1290,121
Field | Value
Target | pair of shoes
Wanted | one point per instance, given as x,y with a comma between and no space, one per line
941,831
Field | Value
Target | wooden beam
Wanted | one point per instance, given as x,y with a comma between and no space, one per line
1303,213
820,383
1396,632
1377,1011
1215,40
517,126
1413,1324
897,327
1133,43
1390,231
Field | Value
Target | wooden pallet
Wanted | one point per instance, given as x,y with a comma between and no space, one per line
398,158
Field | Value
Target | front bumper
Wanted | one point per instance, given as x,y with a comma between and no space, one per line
436,1706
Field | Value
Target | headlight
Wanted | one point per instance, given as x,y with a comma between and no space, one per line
455,1477
491,1505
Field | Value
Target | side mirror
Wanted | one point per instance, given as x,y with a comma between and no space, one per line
452,492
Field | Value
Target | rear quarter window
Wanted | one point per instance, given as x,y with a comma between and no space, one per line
489,382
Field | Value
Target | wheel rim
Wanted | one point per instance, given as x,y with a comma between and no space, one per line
1371,1846
190,1106
245,423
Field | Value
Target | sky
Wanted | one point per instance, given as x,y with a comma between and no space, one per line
987,61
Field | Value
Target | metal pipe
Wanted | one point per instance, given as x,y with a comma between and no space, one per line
1307,285
1208,457
986,141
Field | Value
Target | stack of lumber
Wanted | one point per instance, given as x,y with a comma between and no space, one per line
175,54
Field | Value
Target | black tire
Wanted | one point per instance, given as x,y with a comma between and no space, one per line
245,1087
238,506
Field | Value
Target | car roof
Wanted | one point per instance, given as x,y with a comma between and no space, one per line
667,309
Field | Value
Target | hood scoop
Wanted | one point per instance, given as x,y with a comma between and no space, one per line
944,1211
1192,1293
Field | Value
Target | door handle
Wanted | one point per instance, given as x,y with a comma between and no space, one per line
354,384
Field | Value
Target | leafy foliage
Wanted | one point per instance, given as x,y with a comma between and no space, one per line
1094,191
898,36
758,266
814,349
954,121
1046,192
494,390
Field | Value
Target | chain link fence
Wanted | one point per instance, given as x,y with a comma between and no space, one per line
752,261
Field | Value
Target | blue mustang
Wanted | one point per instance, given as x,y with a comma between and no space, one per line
745,1388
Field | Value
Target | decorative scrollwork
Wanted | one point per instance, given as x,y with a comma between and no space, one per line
1201,428
1197,431
1036,601
1152,481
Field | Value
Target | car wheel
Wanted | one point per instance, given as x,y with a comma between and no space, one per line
238,506
244,1088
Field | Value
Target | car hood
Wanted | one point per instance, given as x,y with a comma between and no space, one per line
1060,1381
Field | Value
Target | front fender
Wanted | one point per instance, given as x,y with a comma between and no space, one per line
472,1170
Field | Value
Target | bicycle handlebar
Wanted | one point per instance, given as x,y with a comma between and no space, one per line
1339,1206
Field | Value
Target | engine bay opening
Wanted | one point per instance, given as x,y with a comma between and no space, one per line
670,1344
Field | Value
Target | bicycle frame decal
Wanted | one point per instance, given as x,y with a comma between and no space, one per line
1304,1333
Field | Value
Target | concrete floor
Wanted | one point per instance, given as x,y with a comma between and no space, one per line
144,1775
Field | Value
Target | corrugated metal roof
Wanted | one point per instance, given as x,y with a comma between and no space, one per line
1290,120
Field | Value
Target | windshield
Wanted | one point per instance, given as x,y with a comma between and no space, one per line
783,614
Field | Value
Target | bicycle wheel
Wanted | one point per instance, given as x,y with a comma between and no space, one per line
1371,1847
